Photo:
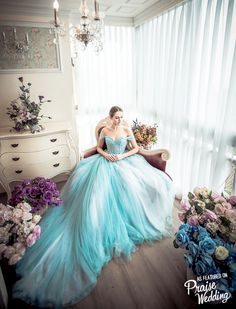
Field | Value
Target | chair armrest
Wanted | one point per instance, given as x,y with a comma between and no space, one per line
157,158
88,152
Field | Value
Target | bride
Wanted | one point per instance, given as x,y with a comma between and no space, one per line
112,202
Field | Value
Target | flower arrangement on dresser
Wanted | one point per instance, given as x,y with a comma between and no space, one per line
39,192
145,135
208,233
25,112
19,229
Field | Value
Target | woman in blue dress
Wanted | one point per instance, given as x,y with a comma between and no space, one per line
113,201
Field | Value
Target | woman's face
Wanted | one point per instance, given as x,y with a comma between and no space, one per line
117,118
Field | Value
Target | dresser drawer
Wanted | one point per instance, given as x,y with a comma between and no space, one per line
21,159
35,143
45,169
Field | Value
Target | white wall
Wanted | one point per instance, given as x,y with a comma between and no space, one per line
57,87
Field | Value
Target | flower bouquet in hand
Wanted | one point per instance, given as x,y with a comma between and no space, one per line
18,230
145,135
25,112
39,193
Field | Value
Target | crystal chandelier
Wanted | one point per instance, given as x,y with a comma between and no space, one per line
57,27
13,46
89,30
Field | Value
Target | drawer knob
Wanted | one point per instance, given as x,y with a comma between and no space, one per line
18,171
16,159
56,165
55,152
14,145
53,140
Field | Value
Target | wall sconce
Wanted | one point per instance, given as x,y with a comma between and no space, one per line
13,46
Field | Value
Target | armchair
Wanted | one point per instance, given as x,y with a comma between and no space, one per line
157,158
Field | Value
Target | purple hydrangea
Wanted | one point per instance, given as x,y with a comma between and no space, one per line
38,192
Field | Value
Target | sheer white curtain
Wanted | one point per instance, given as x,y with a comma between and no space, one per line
186,82
104,80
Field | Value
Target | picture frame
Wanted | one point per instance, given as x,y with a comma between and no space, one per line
44,54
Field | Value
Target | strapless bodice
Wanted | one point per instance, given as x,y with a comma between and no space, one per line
118,145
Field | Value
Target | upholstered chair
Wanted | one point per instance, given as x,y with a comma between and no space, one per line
157,158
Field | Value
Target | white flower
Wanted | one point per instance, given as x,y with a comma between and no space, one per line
4,235
221,253
24,206
8,214
20,248
14,259
9,252
2,220
2,208
3,247
26,216
36,218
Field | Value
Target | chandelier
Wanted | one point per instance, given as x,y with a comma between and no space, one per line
57,27
89,30
13,46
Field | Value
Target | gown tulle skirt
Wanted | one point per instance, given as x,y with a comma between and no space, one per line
108,209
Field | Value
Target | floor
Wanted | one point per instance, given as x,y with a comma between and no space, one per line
153,279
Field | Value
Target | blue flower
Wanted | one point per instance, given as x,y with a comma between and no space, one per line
184,226
193,248
199,268
189,260
207,245
182,238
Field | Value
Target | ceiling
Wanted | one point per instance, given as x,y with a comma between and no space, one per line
116,11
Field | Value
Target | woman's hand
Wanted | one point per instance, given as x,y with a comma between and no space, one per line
119,157
110,157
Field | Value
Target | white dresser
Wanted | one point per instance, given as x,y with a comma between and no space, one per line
48,153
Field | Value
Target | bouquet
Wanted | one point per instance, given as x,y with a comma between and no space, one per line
207,255
39,193
145,136
18,230
216,212
24,112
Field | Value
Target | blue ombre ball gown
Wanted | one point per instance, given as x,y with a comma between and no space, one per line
108,208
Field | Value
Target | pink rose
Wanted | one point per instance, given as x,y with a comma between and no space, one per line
14,259
231,215
20,248
232,200
3,247
220,199
9,252
227,205
197,191
181,216
214,195
219,209
184,205
24,206
210,215
193,220
37,231
26,216
30,240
